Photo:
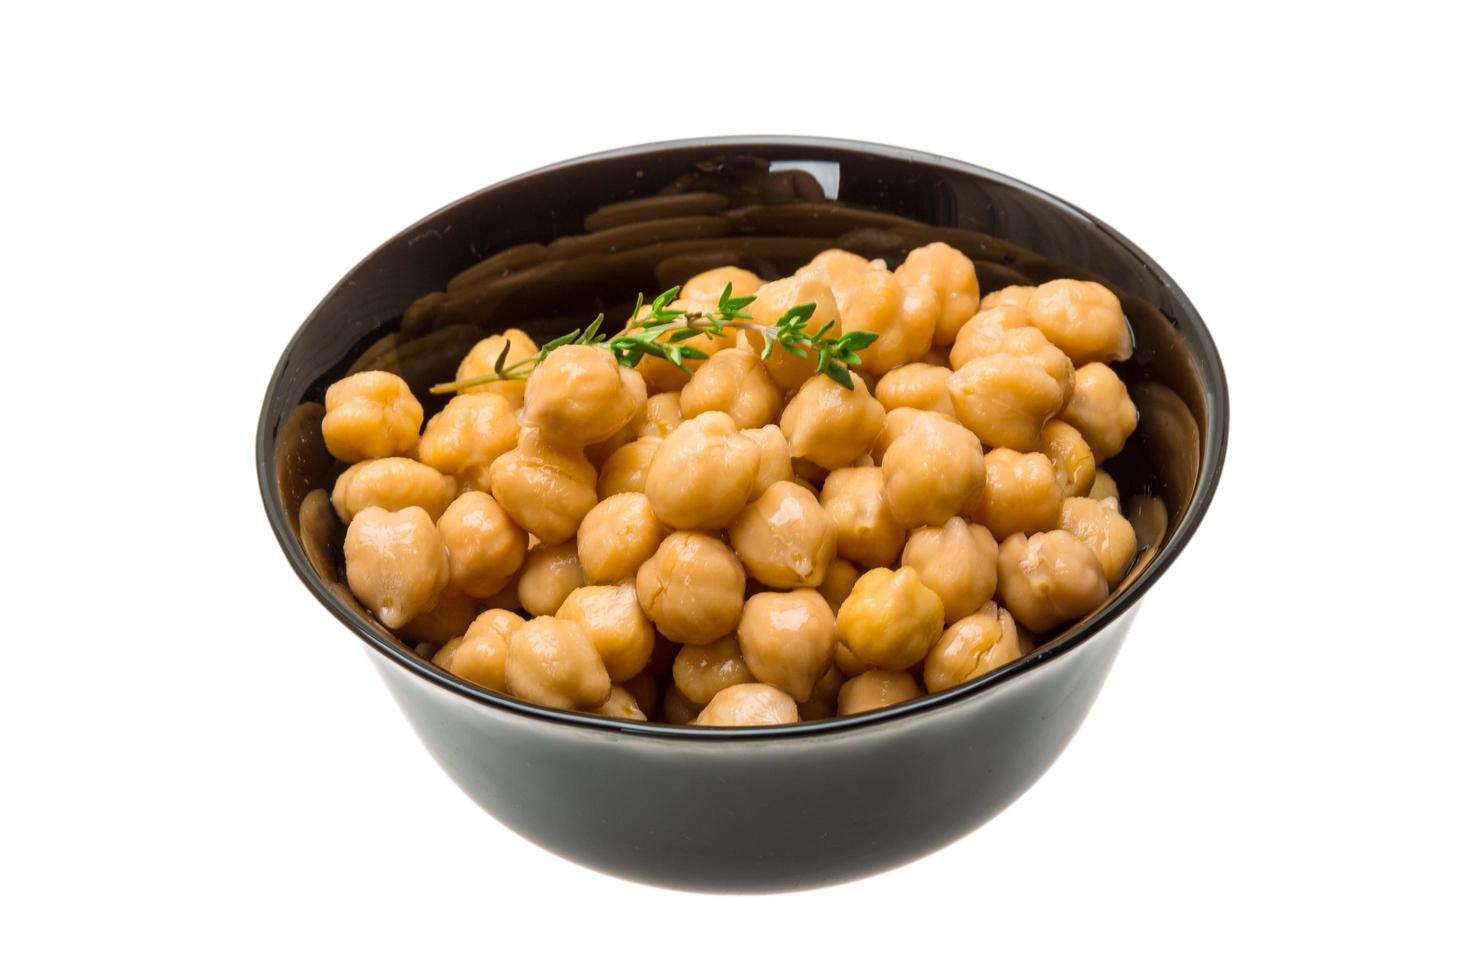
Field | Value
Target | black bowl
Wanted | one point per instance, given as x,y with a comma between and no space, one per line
738,809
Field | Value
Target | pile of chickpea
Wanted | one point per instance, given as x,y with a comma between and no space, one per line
753,544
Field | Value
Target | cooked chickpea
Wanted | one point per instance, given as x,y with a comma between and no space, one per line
1050,579
921,386
545,488
830,425
486,548
983,336
734,382
1101,410
396,563
580,395
702,292
676,709
621,633
1103,486
662,415
775,298
849,665
841,576
1084,319
479,655
891,618
550,574
1005,399
951,274
392,484
617,536
775,464
933,471
1071,458
1021,494
973,646
702,670
823,701
895,424
692,588
874,689
745,705
467,436
371,415
1099,525
450,616
702,474
867,532
841,265
620,703
957,561
784,538
1009,296
480,362
598,452
903,315
626,470
788,639
501,621
553,662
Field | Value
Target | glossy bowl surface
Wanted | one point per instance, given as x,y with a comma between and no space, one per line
737,809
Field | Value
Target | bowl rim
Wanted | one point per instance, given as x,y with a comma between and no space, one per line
1212,458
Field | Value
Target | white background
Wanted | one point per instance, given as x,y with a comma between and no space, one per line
202,776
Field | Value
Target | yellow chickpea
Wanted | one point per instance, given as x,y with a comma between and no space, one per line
626,470
903,315
1099,525
788,639
546,489
702,670
951,274
774,299
841,265
702,474
621,633
867,532
620,703
550,574
1084,319
775,464
662,415
396,563
371,415
957,561
830,425
921,386
579,395
823,701
846,663
891,618
978,335
784,538
392,484
1071,458
841,576
975,645
746,705
895,424
1104,486
467,436
598,452
1021,494
676,709
1005,399
702,292
486,548
1027,343
480,362
1050,579
1101,410
874,689
450,616
479,656
617,536
553,662
934,471
692,588
734,382
1009,296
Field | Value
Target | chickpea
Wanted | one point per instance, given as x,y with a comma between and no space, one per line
449,617
479,655
1071,458
550,574
784,538
702,292
579,395
957,561
1027,343
392,484
734,382
620,703
1050,579
502,621
867,532
829,424
598,452
480,361
692,588
876,689
662,414
746,705
545,488
934,471
702,670
617,536
921,386
1101,410
788,639
903,315
1009,296
844,661
645,690
823,702
951,274
1005,399
978,335
371,415
775,298
621,633
891,619
1021,494
841,576
895,424
973,646
626,470
841,265
486,548
1084,319
467,436
702,474
676,708
1099,525
396,563
775,464
552,662
1103,486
